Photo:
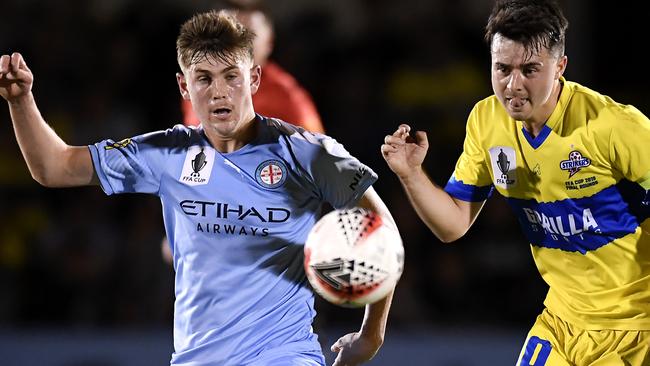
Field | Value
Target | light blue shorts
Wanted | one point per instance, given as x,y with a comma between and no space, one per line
290,359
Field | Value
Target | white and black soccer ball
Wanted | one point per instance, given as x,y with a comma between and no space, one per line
353,258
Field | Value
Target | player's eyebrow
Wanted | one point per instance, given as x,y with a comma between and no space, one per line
201,71
527,64
229,68
207,71
533,63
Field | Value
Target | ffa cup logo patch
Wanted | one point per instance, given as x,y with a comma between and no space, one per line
575,162
197,166
271,173
504,166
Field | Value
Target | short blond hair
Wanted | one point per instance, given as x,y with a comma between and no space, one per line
213,35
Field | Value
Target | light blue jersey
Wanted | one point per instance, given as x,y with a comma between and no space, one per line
237,223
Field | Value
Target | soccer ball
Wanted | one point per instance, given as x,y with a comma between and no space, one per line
353,258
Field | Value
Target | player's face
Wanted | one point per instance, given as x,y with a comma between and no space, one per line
221,95
526,84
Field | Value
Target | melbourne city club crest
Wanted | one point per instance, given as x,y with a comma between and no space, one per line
575,162
271,173
504,165
197,166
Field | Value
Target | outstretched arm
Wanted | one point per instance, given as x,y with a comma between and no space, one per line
356,348
51,161
447,217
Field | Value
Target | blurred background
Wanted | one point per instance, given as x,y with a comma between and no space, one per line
82,280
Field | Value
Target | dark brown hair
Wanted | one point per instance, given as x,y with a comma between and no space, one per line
536,24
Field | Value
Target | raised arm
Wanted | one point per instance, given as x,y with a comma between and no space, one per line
359,347
447,217
50,160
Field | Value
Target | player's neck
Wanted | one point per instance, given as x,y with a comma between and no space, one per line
235,141
534,128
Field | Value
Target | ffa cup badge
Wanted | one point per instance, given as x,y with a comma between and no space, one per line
504,166
197,166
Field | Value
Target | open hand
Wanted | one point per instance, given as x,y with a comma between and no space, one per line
403,153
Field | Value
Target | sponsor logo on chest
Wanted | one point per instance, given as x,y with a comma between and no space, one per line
564,225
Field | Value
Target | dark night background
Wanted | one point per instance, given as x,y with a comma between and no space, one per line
73,261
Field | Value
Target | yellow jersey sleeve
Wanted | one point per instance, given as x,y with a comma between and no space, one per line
471,180
630,146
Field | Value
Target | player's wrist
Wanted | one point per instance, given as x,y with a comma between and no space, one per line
21,100
372,332
372,338
413,174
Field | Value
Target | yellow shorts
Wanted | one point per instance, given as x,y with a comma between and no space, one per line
554,342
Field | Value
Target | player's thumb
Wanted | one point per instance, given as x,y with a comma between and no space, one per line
336,347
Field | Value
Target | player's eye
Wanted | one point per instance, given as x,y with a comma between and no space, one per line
203,79
530,70
231,76
503,69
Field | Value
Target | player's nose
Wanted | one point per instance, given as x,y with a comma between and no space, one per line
218,90
515,81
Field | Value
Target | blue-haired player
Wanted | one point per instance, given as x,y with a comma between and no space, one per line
239,195
575,167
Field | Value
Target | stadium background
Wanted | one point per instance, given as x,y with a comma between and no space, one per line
82,281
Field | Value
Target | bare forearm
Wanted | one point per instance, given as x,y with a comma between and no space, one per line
376,315
435,207
375,319
50,160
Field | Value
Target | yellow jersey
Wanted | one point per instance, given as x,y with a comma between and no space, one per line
580,192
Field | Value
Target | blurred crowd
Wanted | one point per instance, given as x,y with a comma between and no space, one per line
73,257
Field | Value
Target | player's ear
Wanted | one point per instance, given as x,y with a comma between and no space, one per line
256,77
561,66
182,85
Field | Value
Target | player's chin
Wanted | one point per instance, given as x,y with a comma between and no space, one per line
518,114
223,122
221,128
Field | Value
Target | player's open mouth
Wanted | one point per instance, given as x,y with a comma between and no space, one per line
516,102
221,112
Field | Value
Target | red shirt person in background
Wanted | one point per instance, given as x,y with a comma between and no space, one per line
279,94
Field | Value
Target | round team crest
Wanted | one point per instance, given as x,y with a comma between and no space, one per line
271,173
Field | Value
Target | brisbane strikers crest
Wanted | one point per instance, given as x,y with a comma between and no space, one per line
575,162
271,173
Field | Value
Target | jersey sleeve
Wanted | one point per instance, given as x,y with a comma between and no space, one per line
471,180
338,177
132,165
629,148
